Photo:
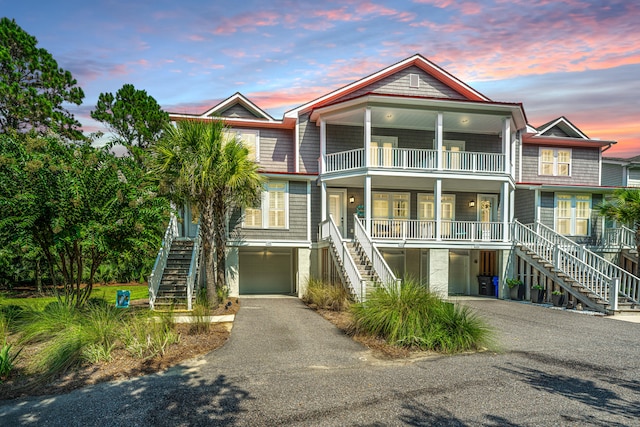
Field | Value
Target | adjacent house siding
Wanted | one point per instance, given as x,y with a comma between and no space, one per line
309,150
524,206
276,150
634,178
584,167
398,84
612,175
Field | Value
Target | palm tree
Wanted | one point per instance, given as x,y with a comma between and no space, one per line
625,209
197,164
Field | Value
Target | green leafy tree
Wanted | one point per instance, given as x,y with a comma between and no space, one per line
78,205
625,209
133,116
32,86
197,165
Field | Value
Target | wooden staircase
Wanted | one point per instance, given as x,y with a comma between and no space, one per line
172,293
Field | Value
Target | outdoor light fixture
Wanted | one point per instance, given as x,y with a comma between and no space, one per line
352,199
472,203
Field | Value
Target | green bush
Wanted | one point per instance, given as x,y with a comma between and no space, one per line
327,295
410,316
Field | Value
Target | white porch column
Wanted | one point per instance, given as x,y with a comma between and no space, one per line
437,201
506,143
323,201
439,140
304,270
233,270
367,137
537,205
323,146
506,203
367,204
439,271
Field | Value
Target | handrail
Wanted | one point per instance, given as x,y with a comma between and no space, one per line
418,229
194,267
329,230
161,259
380,266
629,284
574,267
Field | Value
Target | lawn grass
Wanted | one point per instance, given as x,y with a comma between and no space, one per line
107,293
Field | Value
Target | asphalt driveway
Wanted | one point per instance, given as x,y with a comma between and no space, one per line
285,365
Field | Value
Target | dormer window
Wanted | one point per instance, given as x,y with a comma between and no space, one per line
554,161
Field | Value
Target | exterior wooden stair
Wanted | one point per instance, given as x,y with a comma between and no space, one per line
172,293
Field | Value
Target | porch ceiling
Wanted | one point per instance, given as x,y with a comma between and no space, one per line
426,184
405,118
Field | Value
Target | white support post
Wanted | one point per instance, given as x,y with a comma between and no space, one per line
437,201
506,143
504,195
614,288
367,204
439,141
323,201
323,146
367,137
296,143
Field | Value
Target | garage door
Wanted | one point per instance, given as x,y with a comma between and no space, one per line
265,271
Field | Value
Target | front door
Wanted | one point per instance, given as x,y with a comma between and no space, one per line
488,215
337,200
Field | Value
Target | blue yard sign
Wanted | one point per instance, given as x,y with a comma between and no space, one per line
122,299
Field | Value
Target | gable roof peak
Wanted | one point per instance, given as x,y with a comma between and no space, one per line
563,124
238,98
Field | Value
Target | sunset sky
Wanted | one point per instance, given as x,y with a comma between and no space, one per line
576,58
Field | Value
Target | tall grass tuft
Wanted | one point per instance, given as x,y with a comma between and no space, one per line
146,336
7,360
38,326
410,316
325,295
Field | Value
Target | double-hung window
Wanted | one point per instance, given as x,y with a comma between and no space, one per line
554,161
272,211
573,213
250,140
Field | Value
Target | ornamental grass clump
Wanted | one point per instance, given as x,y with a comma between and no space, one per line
326,295
409,315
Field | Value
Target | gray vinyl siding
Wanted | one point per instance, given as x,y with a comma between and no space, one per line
480,143
316,211
237,110
344,138
277,153
309,145
524,206
556,131
547,210
398,84
612,175
297,219
634,178
584,167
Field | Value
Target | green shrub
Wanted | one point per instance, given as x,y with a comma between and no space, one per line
145,336
327,295
7,360
200,318
410,316
41,325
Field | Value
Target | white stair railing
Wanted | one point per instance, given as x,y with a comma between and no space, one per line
329,231
629,284
161,259
380,267
194,267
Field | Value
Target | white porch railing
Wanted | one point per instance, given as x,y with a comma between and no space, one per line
587,268
161,259
380,266
412,229
416,159
329,231
194,267
622,237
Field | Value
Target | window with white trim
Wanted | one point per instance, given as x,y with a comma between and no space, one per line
250,139
573,214
273,209
426,210
554,161
391,205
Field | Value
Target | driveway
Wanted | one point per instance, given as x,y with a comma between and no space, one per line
284,365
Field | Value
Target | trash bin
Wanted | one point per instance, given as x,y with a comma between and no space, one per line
484,285
495,285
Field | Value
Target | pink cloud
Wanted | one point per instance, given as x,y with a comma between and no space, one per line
247,22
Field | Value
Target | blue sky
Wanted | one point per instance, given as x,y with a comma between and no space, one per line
576,58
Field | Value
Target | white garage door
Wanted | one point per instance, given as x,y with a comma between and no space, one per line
266,271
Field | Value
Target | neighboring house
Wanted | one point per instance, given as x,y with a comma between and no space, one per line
619,172
424,174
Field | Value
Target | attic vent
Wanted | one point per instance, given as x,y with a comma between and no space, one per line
414,80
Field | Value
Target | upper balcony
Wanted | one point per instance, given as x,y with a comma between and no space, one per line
412,159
